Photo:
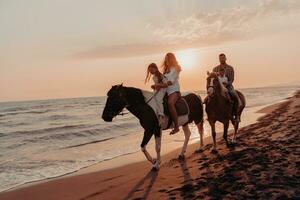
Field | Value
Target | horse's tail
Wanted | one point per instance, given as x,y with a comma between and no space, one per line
243,102
196,107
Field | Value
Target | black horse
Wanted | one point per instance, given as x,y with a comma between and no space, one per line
133,99
219,107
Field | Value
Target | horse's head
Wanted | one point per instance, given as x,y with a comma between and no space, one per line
214,86
212,83
115,103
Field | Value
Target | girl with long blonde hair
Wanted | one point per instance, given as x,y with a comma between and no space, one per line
171,70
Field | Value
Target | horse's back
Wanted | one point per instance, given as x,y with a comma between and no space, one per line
193,99
195,104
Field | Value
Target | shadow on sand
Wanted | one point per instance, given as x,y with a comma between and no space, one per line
187,190
141,185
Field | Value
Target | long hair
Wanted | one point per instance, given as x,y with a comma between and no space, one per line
170,61
148,74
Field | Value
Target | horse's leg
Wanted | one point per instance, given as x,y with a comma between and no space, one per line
226,125
236,127
187,134
146,138
157,148
201,132
213,132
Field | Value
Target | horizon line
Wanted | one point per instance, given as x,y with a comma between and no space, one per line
65,98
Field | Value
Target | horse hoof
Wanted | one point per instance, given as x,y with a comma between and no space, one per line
214,151
153,161
155,167
228,144
231,145
181,157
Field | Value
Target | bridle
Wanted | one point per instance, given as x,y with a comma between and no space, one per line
211,85
212,92
121,112
126,106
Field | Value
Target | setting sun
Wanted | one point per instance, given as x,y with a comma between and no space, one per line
187,58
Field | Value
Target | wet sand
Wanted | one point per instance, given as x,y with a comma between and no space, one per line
264,164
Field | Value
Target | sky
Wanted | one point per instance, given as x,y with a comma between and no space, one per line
75,48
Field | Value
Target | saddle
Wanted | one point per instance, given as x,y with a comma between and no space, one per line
182,112
181,107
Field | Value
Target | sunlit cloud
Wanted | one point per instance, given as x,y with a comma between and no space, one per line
201,29
226,24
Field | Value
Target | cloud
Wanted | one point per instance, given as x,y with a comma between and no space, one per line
124,50
227,24
201,29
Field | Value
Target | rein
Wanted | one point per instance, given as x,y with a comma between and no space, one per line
151,97
125,113
154,93
121,113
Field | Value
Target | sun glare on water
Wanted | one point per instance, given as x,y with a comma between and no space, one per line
186,58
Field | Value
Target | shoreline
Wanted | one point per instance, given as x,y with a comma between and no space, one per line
136,157
95,154
108,172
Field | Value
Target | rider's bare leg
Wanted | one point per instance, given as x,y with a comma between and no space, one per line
172,99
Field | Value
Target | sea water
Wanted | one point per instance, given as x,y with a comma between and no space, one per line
50,138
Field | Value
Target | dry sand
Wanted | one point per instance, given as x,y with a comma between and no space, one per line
264,165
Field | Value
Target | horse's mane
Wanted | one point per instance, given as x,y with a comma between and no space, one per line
134,95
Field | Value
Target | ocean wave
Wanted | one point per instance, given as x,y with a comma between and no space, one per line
59,117
34,171
16,145
49,130
10,113
68,106
38,111
56,137
88,143
20,108
70,131
28,112
41,106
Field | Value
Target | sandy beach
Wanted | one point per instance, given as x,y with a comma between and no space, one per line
264,165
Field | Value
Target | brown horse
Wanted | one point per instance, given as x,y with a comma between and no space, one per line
134,100
219,107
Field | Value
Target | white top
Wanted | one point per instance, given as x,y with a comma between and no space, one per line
223,79
159,97
173,76
155,79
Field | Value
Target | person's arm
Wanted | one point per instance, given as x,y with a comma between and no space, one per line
172,78
162,85
158,85
155,80
230,76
